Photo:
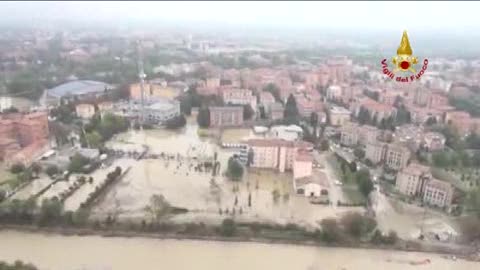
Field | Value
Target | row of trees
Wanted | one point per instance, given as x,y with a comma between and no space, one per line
49,212
353,226
17,265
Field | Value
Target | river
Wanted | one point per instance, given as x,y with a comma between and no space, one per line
57,252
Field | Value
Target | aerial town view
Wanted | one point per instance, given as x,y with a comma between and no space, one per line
239,135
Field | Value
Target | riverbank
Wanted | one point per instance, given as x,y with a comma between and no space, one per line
57,252
461,252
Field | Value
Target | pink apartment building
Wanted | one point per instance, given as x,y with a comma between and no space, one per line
282,155
226,116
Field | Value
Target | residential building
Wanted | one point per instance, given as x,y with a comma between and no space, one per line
23,137
302,165
156,111
276,111
352,134
434,141
85,111
266,99
154,89
397,156
349,134
339,116
334,92
239,97
280,154
411,179
226,116
375,152
438,193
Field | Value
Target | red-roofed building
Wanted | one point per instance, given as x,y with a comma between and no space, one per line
23,134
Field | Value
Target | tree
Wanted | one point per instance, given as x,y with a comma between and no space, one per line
228,227
36,168
203,117
176,122
51,170
10,110
365,184
330,230
158,207
359,153
235,169
250,157
77,163
93,139
17,168
291,111
274,90
3,195
431,121
324,145
357,225
248,112
263,114
440,159
50,211
186,104
314,122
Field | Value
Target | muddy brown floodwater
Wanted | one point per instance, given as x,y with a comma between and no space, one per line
55,252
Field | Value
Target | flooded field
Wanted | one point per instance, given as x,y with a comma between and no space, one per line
237,135
55,252
78,197
208,198
409,220
32,188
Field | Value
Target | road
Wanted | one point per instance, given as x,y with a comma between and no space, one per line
335,192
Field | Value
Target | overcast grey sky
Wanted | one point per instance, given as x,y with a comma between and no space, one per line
454,15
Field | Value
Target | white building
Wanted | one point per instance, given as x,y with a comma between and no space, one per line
156,112
288,133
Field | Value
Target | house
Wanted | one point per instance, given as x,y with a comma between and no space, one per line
310,186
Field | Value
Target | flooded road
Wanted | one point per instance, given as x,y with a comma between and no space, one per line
55,252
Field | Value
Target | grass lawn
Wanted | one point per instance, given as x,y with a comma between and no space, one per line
352,193
5,174
455,178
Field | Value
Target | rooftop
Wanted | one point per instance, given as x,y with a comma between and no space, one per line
78,88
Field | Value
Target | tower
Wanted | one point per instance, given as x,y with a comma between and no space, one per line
141,76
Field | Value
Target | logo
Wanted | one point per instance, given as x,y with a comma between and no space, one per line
404,63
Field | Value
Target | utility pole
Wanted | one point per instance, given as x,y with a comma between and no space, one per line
141,76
